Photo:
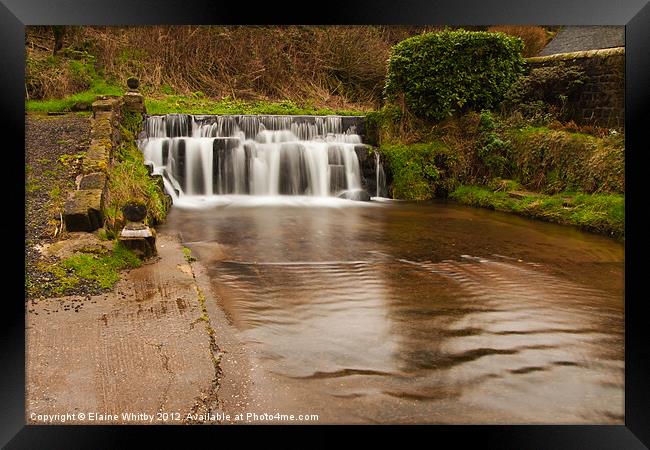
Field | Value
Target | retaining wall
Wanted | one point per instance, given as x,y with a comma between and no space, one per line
83,209
601,100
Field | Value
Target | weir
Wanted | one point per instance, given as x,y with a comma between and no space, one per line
211,155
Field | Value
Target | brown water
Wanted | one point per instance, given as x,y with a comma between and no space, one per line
418,313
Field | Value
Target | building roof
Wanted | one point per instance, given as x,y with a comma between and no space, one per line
580,38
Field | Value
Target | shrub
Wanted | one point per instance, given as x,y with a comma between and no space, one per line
545,90
436,74
493,152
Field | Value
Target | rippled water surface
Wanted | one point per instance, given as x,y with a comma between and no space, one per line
400,312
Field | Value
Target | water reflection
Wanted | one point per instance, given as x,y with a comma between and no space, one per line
421,313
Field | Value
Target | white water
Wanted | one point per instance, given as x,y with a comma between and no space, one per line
380,178
208,156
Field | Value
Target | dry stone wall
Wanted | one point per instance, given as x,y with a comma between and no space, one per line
601,100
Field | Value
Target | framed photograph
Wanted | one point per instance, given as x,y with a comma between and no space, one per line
424,214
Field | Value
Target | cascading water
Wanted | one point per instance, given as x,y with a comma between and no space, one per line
254,155
381,190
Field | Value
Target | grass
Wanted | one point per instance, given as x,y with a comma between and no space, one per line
187,253
99,268
553,161
129,180
600,213
66,104
199,104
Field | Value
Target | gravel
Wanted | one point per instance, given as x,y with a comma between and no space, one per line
54,147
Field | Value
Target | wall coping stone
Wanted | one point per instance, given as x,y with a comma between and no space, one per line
602,53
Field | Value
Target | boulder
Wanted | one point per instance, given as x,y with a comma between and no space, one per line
83,210
357,194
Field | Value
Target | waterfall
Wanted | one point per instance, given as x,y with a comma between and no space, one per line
380,177
253,155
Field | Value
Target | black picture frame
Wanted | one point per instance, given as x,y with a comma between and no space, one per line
634,14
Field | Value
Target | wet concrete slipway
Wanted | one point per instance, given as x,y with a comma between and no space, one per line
380,312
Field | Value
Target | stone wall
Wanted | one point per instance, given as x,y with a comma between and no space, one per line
83,209
601,100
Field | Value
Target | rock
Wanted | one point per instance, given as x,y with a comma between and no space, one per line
80,106
134,212
76,242
98,156
93,181
139,238
358,194
134,101
104,104
83,210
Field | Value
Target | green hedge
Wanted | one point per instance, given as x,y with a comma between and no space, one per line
439,73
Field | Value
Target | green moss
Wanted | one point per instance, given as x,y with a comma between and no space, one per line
131,125
421,171
600,213
199,104
100,268
32,186
55,193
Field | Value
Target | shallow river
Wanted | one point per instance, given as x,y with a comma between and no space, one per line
414,313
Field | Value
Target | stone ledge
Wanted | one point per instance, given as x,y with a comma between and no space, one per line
96,180
98,156
605,52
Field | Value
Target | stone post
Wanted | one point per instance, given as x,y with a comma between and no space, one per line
133,99
137,236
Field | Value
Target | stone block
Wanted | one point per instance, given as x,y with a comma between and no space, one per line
134,101
106,104
98,155
95,180
139,238
83,210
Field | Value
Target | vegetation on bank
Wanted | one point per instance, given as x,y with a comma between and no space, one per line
129,181
600,213
198,103
571,174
